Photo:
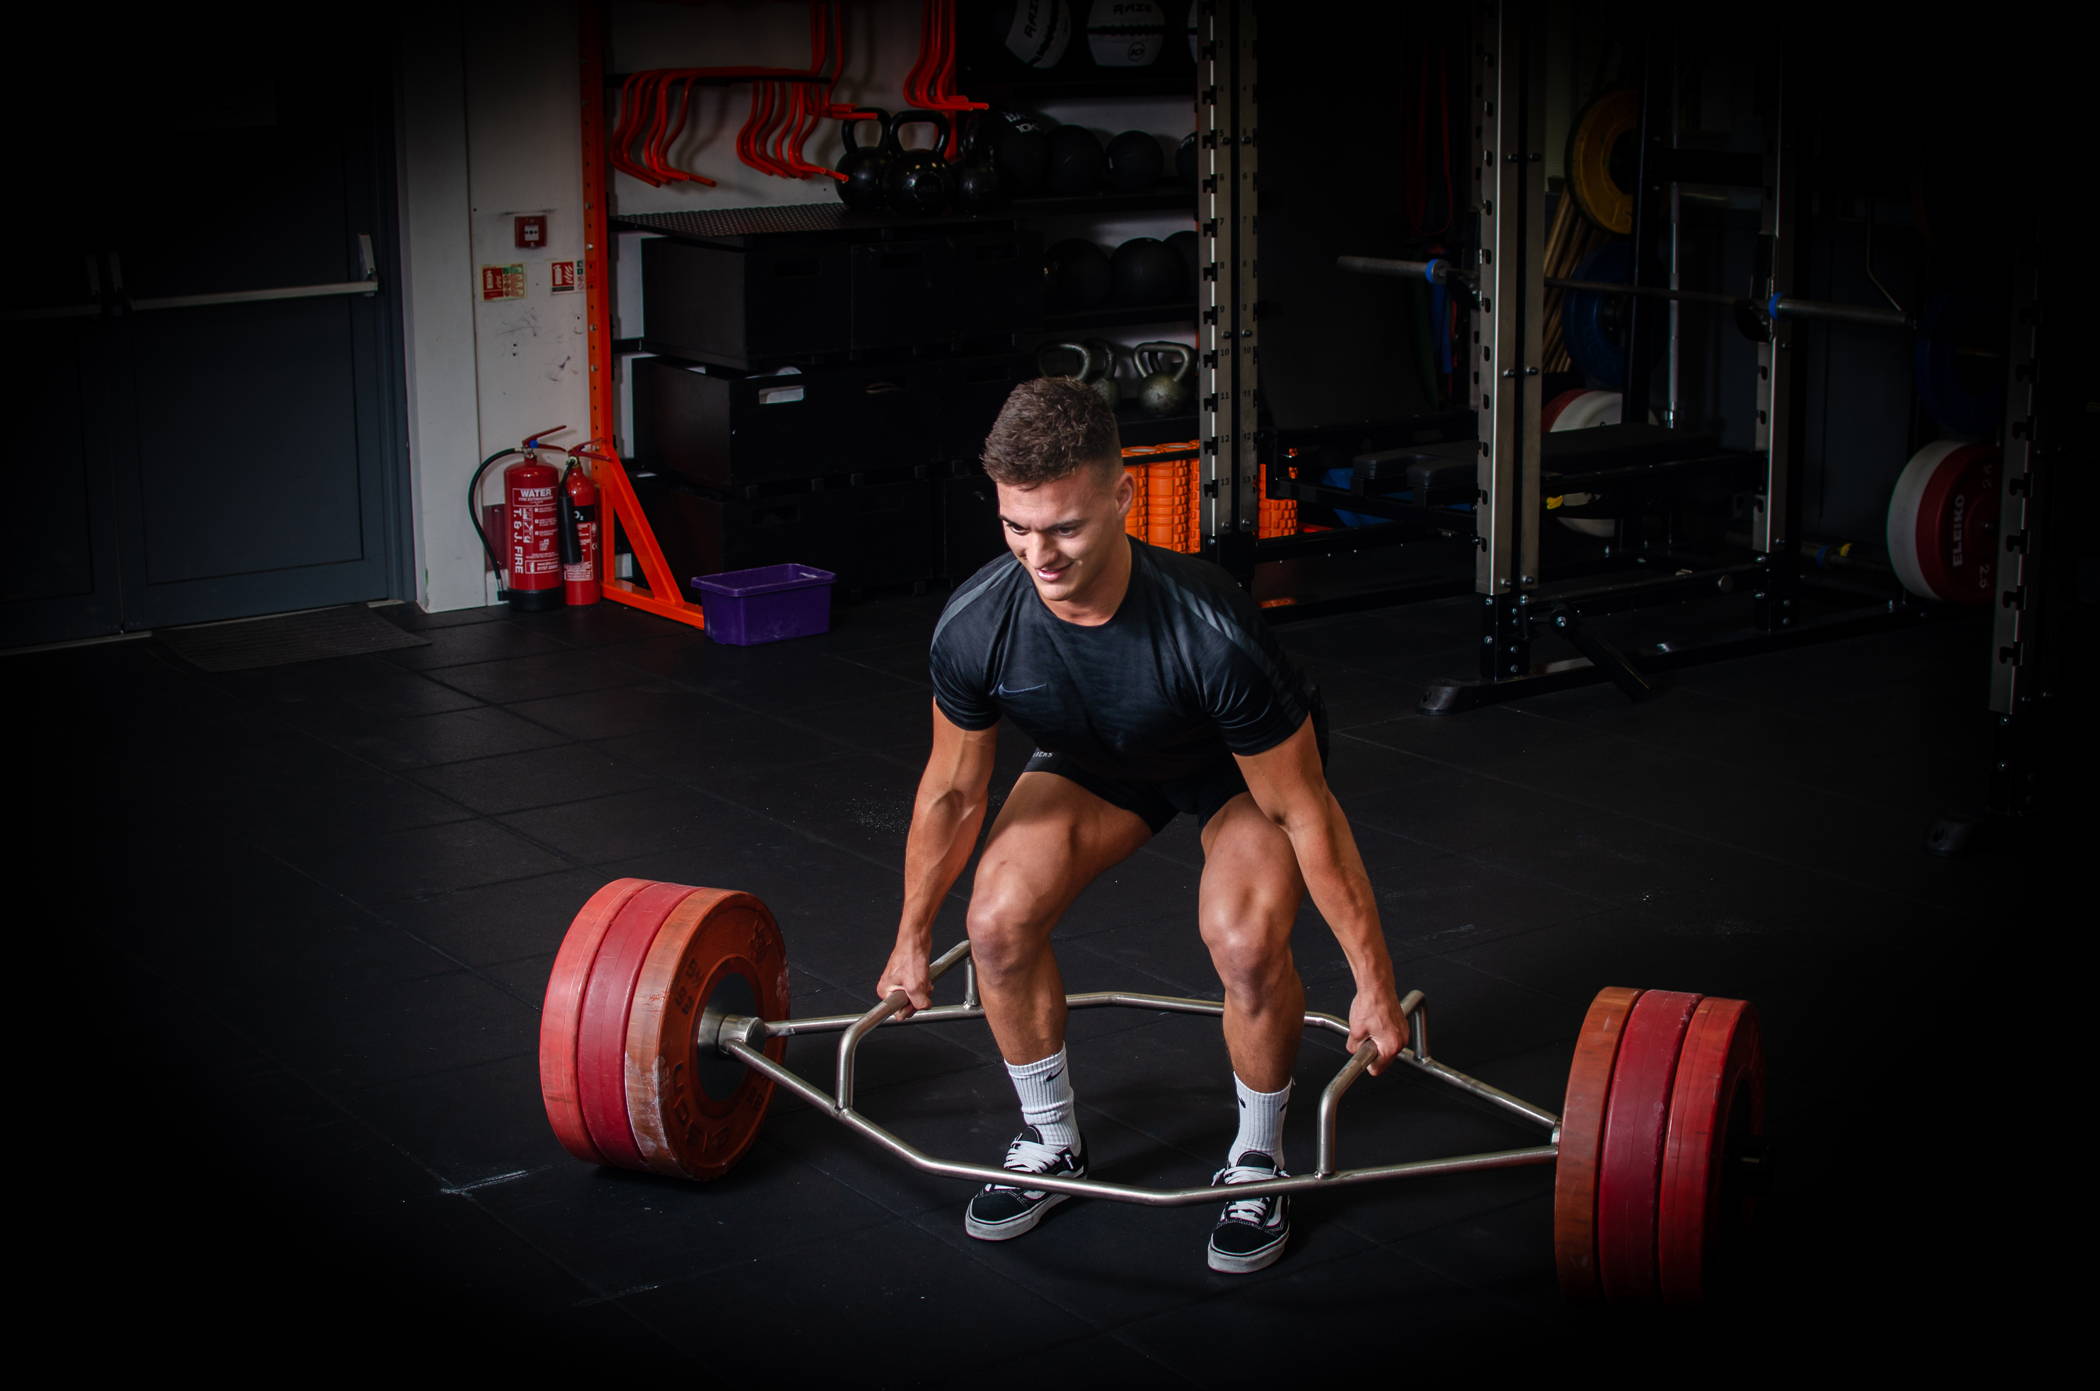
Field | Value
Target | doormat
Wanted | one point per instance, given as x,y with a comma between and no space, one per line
294,637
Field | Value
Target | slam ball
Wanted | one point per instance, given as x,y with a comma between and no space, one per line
1134,162
1077,163
1145,270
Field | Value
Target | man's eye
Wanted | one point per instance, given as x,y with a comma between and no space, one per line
1067,530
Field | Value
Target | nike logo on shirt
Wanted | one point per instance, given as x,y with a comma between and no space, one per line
1002,689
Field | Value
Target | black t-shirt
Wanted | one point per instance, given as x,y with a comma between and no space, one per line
1183,674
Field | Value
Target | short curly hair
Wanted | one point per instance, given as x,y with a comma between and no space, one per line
1049,428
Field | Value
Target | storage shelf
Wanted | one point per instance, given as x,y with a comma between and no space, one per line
1163,197
1138,428
1113,316
1010,88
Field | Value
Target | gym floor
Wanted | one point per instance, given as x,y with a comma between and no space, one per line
334,891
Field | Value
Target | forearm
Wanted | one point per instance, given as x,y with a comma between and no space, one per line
1335,878
944,825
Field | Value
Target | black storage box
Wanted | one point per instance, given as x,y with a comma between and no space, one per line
725,430
756,289
752,306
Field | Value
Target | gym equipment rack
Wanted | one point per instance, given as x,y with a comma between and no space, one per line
1519,463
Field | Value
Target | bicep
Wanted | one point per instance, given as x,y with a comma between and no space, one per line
961,760
1287,780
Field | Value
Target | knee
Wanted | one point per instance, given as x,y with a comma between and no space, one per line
1006,931
1251,950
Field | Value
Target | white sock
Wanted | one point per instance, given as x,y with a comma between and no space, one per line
1261,1121
1045,1089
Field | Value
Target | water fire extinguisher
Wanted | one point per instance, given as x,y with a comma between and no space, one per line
579,536
531,492
532,513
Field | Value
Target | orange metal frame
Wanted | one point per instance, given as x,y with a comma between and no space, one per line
660,593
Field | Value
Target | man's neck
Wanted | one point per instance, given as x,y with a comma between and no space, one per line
1098,605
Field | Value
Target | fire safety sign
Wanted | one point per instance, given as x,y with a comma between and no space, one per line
503,282
563,276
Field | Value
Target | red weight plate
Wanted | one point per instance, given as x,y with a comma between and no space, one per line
601,1042
693,1110
1581,1141
1636,1124
1550,412
1717,1105
1943,522
563,1009
1958,526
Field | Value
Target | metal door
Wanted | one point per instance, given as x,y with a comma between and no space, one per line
207,351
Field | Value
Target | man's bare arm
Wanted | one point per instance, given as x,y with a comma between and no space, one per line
945,819
1290,787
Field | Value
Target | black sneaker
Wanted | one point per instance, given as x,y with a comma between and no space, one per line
1251,1232
1000,1212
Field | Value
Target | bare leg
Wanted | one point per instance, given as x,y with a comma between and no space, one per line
1250,897
1050,840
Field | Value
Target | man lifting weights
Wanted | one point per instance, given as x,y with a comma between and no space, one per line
1151,687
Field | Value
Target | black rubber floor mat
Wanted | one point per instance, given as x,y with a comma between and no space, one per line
293,637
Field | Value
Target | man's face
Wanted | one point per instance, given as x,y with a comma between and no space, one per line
1065,532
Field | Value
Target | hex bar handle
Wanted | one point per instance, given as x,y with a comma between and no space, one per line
849,1045
1331,1098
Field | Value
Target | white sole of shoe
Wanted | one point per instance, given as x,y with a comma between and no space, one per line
1226,1263
1008,1230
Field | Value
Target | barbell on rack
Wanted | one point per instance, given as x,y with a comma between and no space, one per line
665,1029
1439,272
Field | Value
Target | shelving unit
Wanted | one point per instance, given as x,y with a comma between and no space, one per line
988,75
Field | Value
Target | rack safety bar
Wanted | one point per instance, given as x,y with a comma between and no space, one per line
1440,272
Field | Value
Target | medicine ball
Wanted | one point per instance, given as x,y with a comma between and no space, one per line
1145,270
1019,142
1125,33
1185,245
1077,164
1037,31
1076,276
1134,162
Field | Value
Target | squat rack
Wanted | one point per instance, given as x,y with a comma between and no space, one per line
1517,459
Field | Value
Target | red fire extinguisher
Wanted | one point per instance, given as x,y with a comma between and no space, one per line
579,537
530,490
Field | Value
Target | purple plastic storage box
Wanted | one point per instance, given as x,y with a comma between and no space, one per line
768,604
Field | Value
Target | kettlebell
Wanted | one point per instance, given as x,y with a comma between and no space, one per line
1101,371
1168,366
978,185
866,167
1094,362
919,181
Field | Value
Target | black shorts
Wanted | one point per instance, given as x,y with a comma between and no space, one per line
1156,803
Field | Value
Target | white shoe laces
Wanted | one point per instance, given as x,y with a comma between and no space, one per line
1026,1156
1250,1210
